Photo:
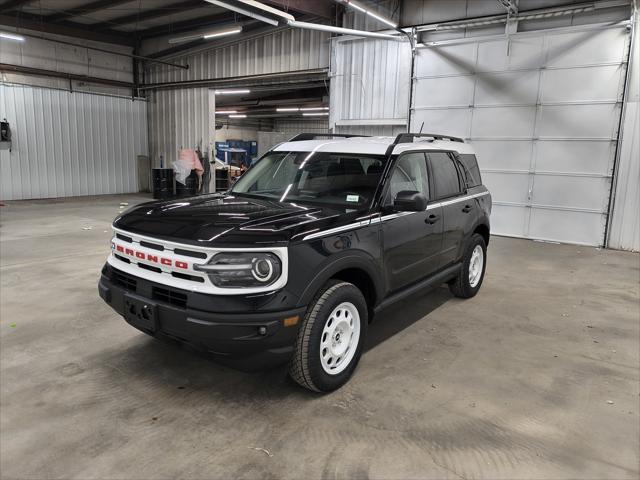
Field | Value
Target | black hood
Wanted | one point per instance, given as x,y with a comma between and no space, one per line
238,220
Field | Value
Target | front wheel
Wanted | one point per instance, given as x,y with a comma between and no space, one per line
469,280
331,337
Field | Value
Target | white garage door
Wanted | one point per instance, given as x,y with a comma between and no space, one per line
542,110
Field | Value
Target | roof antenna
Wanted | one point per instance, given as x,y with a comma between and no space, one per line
421,127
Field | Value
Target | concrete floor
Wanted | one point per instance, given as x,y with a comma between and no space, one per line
515,383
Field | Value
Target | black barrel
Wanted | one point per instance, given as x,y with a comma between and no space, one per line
162,183
189,188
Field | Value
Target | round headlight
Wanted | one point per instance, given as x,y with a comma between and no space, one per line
262,269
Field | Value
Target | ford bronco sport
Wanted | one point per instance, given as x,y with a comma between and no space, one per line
292,262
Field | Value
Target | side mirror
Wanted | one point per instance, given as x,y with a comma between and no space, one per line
410,201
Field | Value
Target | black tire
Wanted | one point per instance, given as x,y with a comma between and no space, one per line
305,367
460,286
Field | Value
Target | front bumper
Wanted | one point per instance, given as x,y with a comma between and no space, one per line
249,338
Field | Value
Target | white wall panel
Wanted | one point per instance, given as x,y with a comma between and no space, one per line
69,144
543,114
506,88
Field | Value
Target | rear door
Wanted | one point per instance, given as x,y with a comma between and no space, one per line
458,212
412,240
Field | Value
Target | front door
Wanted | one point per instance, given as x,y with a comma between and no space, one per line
412,241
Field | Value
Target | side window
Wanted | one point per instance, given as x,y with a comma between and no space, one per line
409,173
470,165
445,175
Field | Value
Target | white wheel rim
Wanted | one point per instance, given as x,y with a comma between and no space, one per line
339,340
476,265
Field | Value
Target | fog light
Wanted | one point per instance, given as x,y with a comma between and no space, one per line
262,330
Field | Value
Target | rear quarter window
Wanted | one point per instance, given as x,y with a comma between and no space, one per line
471,170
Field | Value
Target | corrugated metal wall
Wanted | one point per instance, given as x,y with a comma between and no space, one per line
370,83
69,144
46,54
179,119
280,51
300,126
624,229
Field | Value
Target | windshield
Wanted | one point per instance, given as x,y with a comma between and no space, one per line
319,177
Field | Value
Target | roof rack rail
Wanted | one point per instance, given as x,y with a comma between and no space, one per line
312,136
410,137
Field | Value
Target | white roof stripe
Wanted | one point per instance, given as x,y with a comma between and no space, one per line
370,145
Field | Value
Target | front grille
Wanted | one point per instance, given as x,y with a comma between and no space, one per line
184,276
154,246
124,238
150,267
189,253
171,296
122,259
124,280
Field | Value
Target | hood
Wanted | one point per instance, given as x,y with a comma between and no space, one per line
210,220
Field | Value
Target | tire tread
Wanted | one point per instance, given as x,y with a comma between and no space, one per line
298,368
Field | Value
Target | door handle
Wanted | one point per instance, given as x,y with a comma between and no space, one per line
467,208
431,219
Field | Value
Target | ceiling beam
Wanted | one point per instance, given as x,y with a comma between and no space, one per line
186,25
14,4
144,15
84,9
39,24
317,8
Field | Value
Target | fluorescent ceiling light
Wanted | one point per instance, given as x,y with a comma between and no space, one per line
12,36
311,109
357,7
225,112
345,31
240,115
207,36
244,11
362,9
296,109
315,114
231,92
222,33
268,9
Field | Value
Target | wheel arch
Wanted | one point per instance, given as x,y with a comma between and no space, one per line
483,230
356,269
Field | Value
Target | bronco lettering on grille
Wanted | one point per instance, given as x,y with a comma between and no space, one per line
149,258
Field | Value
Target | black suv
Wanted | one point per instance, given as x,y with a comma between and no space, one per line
292,263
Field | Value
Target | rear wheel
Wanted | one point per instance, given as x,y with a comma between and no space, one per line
469,281
331,337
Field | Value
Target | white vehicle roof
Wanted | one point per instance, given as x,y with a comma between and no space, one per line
371,145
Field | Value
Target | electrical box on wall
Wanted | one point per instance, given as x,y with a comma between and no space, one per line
5,135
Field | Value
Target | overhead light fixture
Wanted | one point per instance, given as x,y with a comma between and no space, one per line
226,112
345,31
207,36
311,109
244,11
240,115
12,36
268,9
322,114
231,92
362,9
296,109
